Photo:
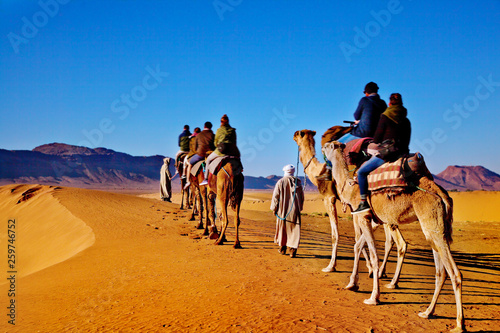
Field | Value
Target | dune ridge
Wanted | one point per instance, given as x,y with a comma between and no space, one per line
46,232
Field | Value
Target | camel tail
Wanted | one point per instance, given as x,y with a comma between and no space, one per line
236,191
448,216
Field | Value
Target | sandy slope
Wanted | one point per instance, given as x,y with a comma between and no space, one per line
45,232
149,270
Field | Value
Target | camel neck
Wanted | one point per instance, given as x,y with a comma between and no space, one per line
340,173
311,164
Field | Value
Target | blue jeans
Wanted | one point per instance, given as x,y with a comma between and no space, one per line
195,158
364,170
347,137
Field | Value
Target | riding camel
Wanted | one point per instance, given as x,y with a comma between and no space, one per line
313,168
430,205
227,187
200,194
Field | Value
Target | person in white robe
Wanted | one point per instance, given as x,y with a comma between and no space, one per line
286,204
165,177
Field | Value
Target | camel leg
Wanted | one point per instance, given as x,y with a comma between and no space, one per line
358,234
456,281
224,218
200,208
237,222
358,246
435,232
388,247
366,228
193,209
445,264
397,237
206,210
331,209
440,279
182,194
211,206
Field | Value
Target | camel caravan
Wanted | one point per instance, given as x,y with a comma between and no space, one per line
368,168
211,169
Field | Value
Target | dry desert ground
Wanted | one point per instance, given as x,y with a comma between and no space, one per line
96,261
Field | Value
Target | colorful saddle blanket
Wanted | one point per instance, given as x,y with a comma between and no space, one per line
387,175
406,171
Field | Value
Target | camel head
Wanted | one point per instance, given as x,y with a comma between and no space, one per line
337,146
304,137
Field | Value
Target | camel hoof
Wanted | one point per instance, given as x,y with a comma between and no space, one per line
200,226
328,269
352,288
219,242
206,233
423,315
370,301
213,235
237,246
391,286
457,330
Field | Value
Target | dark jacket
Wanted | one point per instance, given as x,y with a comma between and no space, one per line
368,113
184,140
205,142
399,132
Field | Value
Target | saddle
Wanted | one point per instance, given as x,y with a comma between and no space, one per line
405,171
217,163
334,133
197,167
355,151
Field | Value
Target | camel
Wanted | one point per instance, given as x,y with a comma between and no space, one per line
430,205
312,168
227,187
200,194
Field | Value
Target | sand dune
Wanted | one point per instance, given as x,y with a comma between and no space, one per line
146,268
46,233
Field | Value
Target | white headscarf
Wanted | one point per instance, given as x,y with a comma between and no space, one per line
289,170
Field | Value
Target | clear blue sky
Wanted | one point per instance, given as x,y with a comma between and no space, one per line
128,74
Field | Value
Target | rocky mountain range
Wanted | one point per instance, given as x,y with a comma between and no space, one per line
472,178
67,165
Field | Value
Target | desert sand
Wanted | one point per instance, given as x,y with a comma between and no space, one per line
95,261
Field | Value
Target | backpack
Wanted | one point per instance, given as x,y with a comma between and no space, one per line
414,168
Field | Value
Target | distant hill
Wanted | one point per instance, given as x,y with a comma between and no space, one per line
462,178
62,164
67,165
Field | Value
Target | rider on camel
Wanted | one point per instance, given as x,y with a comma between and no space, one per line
204,143
225,143
393,125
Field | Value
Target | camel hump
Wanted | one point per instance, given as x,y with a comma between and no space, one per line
334,133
